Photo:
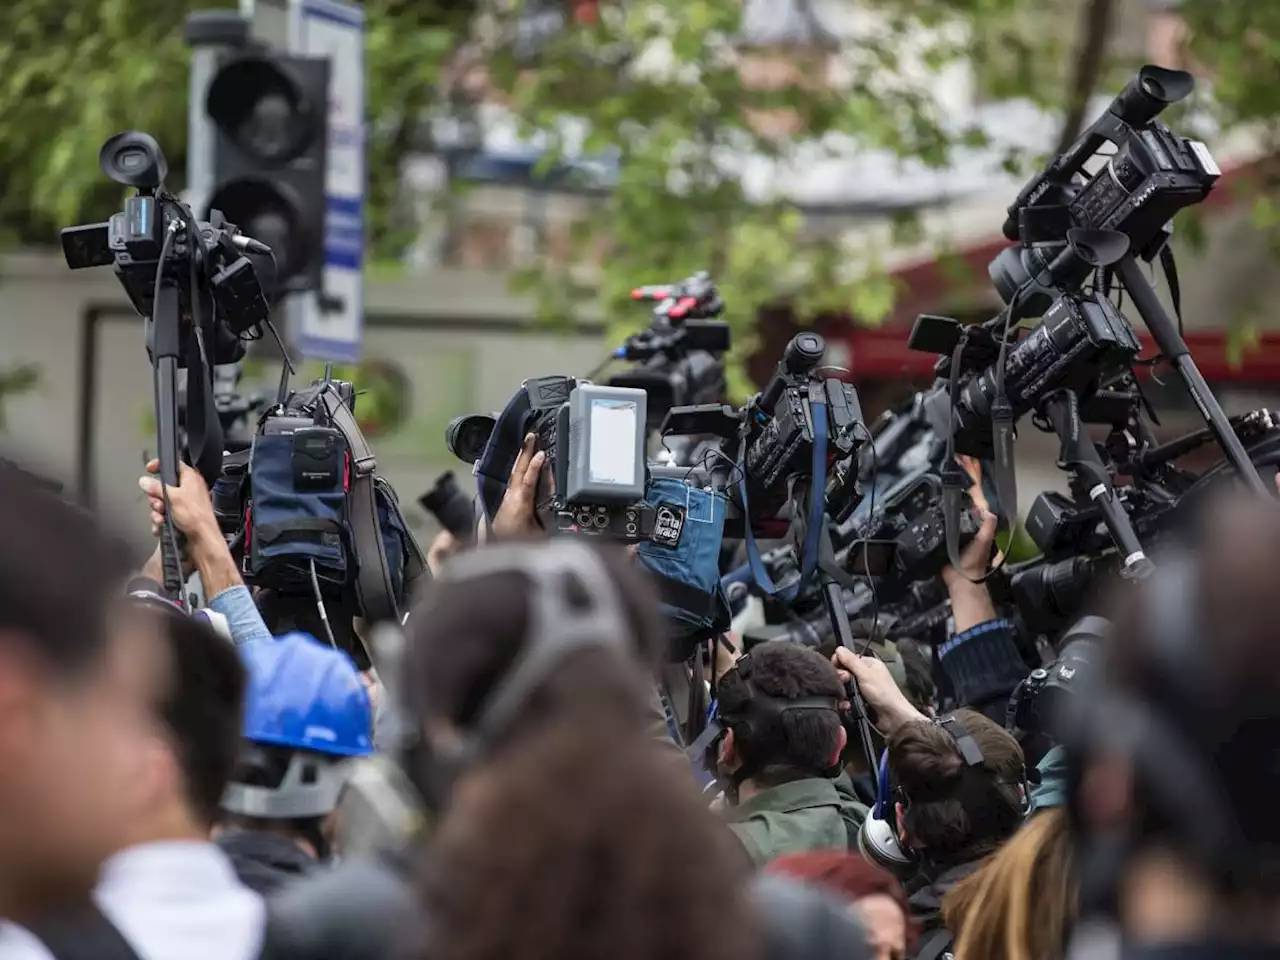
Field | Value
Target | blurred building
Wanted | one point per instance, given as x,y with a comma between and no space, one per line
461,342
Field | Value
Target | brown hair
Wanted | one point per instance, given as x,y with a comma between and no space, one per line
576,838
1021,902
956,813
849,877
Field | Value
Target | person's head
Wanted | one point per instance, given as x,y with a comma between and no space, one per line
74,696
779,706
307,714
196,727
566,831
959,786
1174,752
875,896
1020,904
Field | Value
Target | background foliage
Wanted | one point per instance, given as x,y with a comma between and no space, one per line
76,71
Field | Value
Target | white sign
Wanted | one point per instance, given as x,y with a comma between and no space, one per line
335,29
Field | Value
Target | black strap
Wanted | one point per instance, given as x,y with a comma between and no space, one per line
936,945
86,934
374,588
1171,277
301,529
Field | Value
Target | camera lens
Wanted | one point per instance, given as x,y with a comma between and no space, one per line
466,437
1008,273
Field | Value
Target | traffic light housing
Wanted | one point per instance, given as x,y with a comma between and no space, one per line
270,114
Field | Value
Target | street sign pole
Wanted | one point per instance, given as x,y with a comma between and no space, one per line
330,325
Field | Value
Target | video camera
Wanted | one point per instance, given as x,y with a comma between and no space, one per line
1079,344
594,439
801,426
679,359
1152,174
199,286
905,540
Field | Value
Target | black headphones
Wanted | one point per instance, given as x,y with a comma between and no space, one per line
759,709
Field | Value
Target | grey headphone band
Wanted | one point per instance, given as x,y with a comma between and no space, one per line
965,743
556,627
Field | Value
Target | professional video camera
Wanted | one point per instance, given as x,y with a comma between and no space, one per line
905,540
199,287
801,426
679,359
594,439
1076,366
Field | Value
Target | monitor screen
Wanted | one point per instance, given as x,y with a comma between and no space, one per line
613,441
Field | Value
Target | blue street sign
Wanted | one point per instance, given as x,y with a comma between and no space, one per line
335,29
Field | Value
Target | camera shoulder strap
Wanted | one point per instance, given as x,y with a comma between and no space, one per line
86,935
374,588
936,946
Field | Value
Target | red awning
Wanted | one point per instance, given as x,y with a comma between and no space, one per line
882,354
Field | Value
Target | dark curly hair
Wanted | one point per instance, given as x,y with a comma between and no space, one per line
957,813
576,837
780,746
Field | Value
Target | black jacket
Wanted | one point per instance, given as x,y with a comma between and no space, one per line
265,862
926,891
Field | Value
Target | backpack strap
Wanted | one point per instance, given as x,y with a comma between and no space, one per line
851,831
937,944
86,934
374,588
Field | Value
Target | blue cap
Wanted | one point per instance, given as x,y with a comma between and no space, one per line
306,696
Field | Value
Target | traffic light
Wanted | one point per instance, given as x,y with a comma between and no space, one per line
270,113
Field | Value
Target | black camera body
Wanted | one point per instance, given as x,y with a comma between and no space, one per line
573,495
773,436
135,242
451,507
679,358
1038,700
905,540
1152,174
1079,343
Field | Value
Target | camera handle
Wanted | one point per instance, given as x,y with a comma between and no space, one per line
1078,453
164,340
1174,348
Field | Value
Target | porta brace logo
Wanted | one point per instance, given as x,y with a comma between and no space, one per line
668,525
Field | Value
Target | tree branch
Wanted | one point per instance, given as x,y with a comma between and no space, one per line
1095,31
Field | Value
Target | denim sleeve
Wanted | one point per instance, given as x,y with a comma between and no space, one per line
236,604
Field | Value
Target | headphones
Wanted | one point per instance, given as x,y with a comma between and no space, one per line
878,837
557,628
759,709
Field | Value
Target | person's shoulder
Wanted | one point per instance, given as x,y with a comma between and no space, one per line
359,909
17,943
778,822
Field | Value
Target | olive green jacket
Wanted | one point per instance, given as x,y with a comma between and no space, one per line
796,817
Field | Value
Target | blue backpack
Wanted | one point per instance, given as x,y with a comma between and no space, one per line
318,520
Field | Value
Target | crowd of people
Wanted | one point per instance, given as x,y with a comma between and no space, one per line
182,787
